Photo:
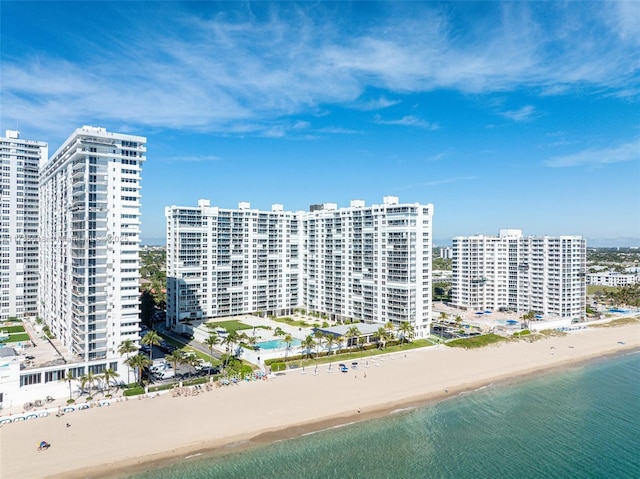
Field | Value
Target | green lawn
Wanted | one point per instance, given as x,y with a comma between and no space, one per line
616,322
293,322
18,338
12,329
477,341
348,355
594,288
232,325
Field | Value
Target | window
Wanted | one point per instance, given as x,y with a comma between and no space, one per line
28,379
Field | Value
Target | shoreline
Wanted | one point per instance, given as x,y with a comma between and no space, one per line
295,431
135,435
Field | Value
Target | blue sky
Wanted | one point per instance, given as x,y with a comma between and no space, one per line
503,115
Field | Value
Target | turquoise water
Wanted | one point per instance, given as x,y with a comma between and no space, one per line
278,344
578,423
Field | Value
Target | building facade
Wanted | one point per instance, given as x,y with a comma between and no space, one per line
20,161
225,262
609,278
369,263
366,263
90,235
512,272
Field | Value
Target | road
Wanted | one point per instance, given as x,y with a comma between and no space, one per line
192,344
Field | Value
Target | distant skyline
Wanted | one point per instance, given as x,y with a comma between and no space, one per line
503,115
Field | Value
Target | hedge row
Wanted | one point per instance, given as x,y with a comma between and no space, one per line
298,357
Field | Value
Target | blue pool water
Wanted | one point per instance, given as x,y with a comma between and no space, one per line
278,344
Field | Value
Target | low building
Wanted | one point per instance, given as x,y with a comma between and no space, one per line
610,278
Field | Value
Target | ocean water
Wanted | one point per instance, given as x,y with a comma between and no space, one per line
582,422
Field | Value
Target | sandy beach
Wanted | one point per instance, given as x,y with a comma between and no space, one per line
127,435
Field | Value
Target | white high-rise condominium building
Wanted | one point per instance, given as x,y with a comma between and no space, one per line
542,274
368,263
224,262
20,160
90,228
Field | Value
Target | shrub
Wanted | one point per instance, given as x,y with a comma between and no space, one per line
89,398
275,367
524,332
71,401
134,391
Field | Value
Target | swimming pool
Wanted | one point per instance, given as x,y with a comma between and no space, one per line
278,344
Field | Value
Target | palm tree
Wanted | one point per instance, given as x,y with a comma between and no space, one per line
382,336
83,382
69,378
307,344
139,362
443,316
127,347
192,361
176,356
279,331
526,318
151,339
329,340
211,341
361,341
339,342
352,332
229,340
252,340
87,379
288,339
390,329
406,330
107,376
319,338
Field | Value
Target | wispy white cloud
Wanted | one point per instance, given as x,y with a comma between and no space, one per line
521,114
594,157
443,181
438,156
408,120
336,130
375,104
241,72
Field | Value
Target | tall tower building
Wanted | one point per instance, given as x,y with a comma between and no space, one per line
542,274
19,161
90,229
224,262
367,263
